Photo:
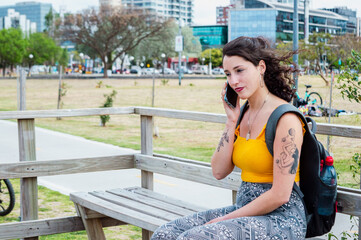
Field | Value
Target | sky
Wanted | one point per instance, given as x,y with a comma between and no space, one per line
204,10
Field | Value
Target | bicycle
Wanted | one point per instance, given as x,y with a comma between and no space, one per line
312,98
7,197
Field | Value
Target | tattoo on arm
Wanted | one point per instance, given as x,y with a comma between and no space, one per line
288,159
224,137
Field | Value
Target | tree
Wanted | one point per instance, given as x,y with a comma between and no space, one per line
112,32
319,49
349,81
212,53
164,42
343,45
192,46
43,49
12,47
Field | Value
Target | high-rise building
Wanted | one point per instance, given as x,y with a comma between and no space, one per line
222,15
34,11
16,20
177,9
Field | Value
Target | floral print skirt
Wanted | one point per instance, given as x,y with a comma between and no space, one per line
286,222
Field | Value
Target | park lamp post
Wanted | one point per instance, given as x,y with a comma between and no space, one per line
179,49
31,56
163,58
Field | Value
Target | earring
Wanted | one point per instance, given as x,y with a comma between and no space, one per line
261,82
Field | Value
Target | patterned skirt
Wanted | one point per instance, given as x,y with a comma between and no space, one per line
286,222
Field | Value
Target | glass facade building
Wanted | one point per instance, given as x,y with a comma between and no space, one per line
351,26
213,36
275,21
34,11
253,23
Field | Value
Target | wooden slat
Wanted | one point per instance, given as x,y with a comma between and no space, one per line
339,130
149,200
43,227
180,114
349,202
166,199
323,128
65,113
136,205
117,212
187,171
69,166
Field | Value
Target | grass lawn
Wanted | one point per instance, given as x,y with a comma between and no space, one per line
181,138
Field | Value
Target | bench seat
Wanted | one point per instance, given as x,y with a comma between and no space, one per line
136,206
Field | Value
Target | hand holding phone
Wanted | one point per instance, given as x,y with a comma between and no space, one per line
231,96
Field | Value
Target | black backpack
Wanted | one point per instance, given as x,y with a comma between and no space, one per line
311,186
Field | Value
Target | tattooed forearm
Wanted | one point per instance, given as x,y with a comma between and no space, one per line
288,159
224,137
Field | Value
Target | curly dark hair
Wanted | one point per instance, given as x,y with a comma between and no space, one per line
278,69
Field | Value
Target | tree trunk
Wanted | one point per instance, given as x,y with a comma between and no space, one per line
318,67
105,73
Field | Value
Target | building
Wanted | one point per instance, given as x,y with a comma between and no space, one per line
222,15
16,20
349,14
275,21
211,36
110,3
168,8
34,11
358,27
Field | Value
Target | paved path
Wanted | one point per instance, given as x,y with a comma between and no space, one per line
51,145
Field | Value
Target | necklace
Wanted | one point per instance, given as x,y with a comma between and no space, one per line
248,122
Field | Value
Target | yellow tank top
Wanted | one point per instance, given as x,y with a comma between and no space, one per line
254,159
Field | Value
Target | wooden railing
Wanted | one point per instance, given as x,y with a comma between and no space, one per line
28,169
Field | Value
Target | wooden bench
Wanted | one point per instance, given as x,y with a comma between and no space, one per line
137,206
147,209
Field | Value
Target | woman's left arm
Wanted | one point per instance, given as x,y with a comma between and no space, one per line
287,149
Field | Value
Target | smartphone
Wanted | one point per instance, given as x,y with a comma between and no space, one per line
231,97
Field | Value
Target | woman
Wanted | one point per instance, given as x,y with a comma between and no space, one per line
266,206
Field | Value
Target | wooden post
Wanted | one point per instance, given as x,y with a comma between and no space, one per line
59,91
234,196
27,152
146,148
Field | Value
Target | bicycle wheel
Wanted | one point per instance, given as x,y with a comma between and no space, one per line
7,197
314,99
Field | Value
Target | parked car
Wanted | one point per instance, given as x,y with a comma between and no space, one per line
135,70
150,71
184,70
168,71
200,69
218,71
